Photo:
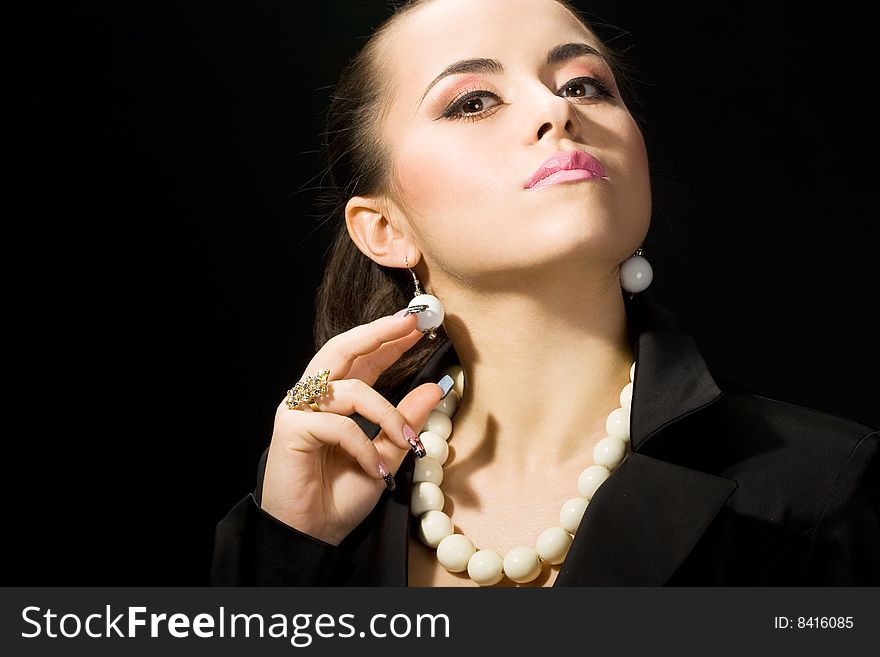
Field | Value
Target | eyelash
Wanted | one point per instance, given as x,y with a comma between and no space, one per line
452,112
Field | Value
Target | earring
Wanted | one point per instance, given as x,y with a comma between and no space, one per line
636,273
428,307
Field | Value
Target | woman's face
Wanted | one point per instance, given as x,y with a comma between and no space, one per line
461,160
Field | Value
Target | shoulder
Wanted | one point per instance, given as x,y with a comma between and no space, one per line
791,462
814,472
796,426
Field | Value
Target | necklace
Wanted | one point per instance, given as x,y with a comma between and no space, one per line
486,567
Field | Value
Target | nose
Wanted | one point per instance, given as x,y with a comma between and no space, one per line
556,117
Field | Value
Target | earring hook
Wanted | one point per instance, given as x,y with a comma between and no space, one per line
415,280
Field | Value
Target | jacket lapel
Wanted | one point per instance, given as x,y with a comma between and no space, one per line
647,516
645,519
642,523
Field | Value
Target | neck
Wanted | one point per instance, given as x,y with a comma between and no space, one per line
543,368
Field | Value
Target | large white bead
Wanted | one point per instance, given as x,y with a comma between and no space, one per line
632,372
457,374
571,513
434,526
426,496
433,316
626,395
428,469
609,452
636,274
486,567
590,479
617,423
521,564
438,423
454,552
553,544
449,404
435,446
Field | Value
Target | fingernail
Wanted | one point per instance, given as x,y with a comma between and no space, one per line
401,312
445,384
418,308
414,441
386,475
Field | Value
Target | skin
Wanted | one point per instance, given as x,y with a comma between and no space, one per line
529,278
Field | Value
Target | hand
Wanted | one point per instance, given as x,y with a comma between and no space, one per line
323,474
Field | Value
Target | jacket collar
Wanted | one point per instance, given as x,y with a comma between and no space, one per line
645,518
672,379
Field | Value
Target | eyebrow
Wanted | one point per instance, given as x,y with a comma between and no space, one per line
561,53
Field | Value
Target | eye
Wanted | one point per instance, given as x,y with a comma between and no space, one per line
470,105
602,89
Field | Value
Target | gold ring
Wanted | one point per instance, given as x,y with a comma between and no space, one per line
306,390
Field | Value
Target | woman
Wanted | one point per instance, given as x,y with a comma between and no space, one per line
500,169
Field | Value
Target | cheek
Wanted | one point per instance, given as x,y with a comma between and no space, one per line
439,175
636,204
447,186
421,176
631,160
634,150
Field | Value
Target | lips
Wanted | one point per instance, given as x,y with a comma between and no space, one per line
567,161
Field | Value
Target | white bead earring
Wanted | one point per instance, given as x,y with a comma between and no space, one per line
636,273
429,308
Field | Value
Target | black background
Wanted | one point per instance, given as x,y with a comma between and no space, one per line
165,245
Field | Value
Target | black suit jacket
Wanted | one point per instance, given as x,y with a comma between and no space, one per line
722,487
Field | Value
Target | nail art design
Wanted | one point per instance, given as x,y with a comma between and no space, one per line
387,476
446,384
418,308
414,441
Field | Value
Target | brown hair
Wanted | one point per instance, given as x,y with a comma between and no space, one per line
355,289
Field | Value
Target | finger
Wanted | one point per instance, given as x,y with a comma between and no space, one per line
368,368
415,408
339,352
319,429
354,396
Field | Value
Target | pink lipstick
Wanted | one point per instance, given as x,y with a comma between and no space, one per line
565,166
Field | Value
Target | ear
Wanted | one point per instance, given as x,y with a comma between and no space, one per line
376,237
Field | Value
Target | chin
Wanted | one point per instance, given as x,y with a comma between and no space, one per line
574,222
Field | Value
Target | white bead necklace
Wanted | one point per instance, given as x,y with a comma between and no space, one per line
486,567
